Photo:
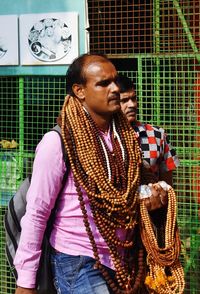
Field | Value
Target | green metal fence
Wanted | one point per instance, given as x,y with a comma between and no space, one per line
157,42
29,107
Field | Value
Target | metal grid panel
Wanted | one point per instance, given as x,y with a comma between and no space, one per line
160,40
169,96
42,100
9,130
179,26
129,27
29,107
112,29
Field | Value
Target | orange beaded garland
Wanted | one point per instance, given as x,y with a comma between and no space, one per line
113,197
111,181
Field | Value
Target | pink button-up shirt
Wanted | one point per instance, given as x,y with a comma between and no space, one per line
68,234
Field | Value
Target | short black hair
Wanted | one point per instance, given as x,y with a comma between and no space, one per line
125,84
75,73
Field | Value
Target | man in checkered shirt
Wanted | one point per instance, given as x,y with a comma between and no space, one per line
155,146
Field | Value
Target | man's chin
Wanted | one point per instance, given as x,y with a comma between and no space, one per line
116,108
131,119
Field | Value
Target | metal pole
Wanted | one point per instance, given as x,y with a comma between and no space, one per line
21,125
157,60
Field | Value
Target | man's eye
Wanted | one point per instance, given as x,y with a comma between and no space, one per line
104,83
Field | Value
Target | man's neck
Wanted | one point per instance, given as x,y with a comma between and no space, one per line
102,122
134,123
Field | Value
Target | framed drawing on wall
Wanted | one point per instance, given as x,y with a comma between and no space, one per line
48,38
9,40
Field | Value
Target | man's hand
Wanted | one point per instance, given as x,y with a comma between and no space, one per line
157,199
21,290
154,195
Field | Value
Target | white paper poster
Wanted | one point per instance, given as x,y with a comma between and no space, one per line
50,38
9,40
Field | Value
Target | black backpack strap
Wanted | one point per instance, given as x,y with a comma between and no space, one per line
57,129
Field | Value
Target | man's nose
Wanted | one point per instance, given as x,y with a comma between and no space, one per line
115,87
131,103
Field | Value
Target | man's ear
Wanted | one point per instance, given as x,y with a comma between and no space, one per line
78,90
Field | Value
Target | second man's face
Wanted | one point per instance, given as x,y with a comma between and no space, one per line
128,101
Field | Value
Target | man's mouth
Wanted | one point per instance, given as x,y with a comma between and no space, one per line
115,98
131,112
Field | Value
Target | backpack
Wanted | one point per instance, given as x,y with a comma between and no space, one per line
16,210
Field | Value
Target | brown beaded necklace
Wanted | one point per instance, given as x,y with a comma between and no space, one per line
118,171
113,200
166,274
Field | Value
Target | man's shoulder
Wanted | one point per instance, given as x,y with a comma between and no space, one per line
143,126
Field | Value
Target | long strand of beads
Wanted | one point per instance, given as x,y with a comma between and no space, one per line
165,270
111,205
119,140
107,160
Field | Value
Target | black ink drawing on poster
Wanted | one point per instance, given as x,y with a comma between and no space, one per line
9,40
50,38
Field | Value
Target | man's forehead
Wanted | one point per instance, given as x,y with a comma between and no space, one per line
101,70
98,60
130,94
100,63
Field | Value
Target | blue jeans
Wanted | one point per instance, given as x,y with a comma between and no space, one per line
77,275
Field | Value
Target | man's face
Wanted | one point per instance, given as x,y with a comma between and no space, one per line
128,101
100,95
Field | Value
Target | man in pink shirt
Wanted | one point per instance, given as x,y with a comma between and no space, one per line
95,227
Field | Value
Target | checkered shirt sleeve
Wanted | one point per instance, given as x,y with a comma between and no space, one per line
156,148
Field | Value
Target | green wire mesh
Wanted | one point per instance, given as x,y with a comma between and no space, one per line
156,43
29,107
